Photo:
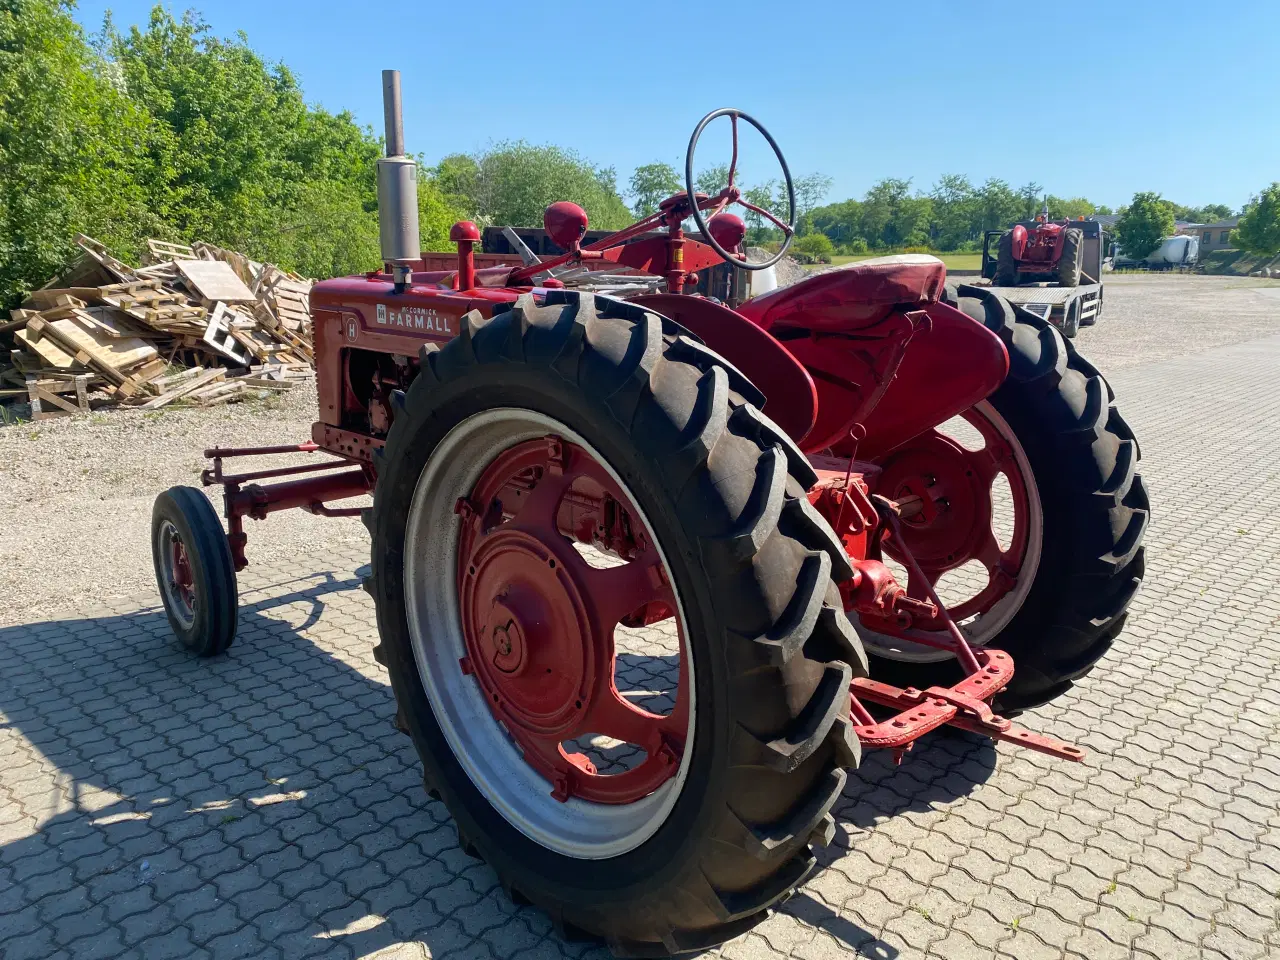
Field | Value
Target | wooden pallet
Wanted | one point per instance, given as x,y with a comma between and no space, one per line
40,392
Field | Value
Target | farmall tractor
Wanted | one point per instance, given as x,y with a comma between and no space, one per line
555,471
1043,250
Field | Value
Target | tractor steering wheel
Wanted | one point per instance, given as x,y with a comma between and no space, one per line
731,194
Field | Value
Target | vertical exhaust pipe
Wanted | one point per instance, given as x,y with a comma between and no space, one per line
397,191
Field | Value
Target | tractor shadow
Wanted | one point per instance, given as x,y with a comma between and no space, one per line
264,799
257,800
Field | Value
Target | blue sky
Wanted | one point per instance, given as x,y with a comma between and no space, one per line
1099,99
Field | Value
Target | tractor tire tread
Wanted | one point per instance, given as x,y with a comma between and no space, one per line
735,480
213,569
1063,411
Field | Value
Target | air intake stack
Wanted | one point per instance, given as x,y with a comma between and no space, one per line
397,190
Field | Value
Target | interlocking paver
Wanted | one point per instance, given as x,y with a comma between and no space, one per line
261,804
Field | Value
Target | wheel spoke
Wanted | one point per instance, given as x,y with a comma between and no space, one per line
991,461
537,514
733,162
614,716
620,591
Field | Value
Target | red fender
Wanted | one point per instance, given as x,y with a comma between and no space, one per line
791,399
1019,241
950,363
949,366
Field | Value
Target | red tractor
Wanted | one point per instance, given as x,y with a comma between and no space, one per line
1041,251
555,473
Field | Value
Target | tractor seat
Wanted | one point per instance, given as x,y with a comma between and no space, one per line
852,297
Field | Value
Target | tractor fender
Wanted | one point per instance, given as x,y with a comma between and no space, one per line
791,399
1019,241
950,364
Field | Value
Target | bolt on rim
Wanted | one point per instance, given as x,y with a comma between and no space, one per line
512,631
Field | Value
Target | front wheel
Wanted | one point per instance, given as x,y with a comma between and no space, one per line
1034,513
194,571
610,621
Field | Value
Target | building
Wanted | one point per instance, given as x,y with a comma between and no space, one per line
1213,236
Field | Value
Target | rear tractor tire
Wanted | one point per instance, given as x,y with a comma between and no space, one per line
1077,461
1006,266
627,403
1071,262
194,571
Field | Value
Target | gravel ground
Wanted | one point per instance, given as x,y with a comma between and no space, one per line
76,508
77,492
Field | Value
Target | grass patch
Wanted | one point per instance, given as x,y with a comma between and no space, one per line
954,261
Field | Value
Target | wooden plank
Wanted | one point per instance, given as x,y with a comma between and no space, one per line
149,371
163,250
218,393
48,351
266,383
100,253
17,320
164,383
184,388
214,280
119,353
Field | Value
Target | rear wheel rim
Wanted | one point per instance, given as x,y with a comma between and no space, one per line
176,579
507,625
1010,571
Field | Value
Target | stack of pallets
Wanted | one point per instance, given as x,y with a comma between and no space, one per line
196,324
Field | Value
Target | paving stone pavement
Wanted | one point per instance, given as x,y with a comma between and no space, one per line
261,804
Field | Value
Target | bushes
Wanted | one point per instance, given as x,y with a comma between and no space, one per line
813,248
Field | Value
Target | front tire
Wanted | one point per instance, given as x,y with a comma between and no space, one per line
770,651
194,571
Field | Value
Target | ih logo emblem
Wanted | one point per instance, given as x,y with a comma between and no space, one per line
353,329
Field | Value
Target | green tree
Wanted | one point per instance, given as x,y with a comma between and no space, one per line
651,184
842,221
1144,224
998,206
1030,199
168,131
514,182
955,212
72,148
1259,229
892,217
767,196
714,179
1070,207
1209,213
456,176
811,189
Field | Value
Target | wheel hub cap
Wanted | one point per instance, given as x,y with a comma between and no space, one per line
531,646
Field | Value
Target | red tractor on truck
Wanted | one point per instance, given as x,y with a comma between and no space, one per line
1052,269
553,469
